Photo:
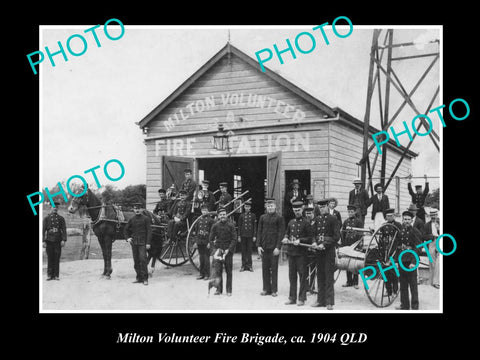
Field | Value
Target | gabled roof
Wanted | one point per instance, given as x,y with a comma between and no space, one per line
229,48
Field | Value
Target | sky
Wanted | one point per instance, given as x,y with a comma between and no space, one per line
89,105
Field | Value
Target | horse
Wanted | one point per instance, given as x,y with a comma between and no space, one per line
105,224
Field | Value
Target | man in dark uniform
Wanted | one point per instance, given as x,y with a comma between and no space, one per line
419,196
293,195
225,198
349,238
201,232
54,238
247,232
189,185
270,230
359,198
138,233
208,197
163,206
223,236
179,212
388,233
327,233
309,215
298,231
408,238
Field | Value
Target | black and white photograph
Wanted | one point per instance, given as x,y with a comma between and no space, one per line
277,127
259,184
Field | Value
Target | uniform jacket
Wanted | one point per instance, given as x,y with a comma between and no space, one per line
162,205
247,225
139,229
327,226
189,186
223,236
209,200
202,229
409,236
299,228
418,199
270,231
378,205
54,228
360,200
224,199
183,207
349,237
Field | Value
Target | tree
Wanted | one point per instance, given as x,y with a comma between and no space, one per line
433,199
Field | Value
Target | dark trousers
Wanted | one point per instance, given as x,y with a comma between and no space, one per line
352,278
270,271
139,253
154,253
246,247
218,267
408,280
54,250
392,282
204,257
297,265
325,281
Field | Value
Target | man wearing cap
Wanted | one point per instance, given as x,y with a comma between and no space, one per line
270,230
54,238
431,232
310,203
225,198
247,232
201,233
327,234
163,206
380,203
138,233
295,194
419,196
349,238
179,212
223,236
359,197
408,238
189,185
208,197
388,232
298,232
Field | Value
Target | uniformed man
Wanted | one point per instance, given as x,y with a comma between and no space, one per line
223,236
189,185
298,231
180,211
309,214
419,196
310,203
247,235
408,238
389,233
270,231
225,198
201,232
359,197
138,233
291,196
349,238
208,197
54,238
163,206
327,233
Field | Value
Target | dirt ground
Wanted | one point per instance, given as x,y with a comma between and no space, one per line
81,288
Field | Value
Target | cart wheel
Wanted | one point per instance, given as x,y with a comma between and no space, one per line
192,251
382,293
174,251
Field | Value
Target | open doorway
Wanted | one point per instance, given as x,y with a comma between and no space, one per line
241,174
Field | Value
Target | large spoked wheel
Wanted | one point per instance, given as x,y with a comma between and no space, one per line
312,274
382,245
174,251
193,255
